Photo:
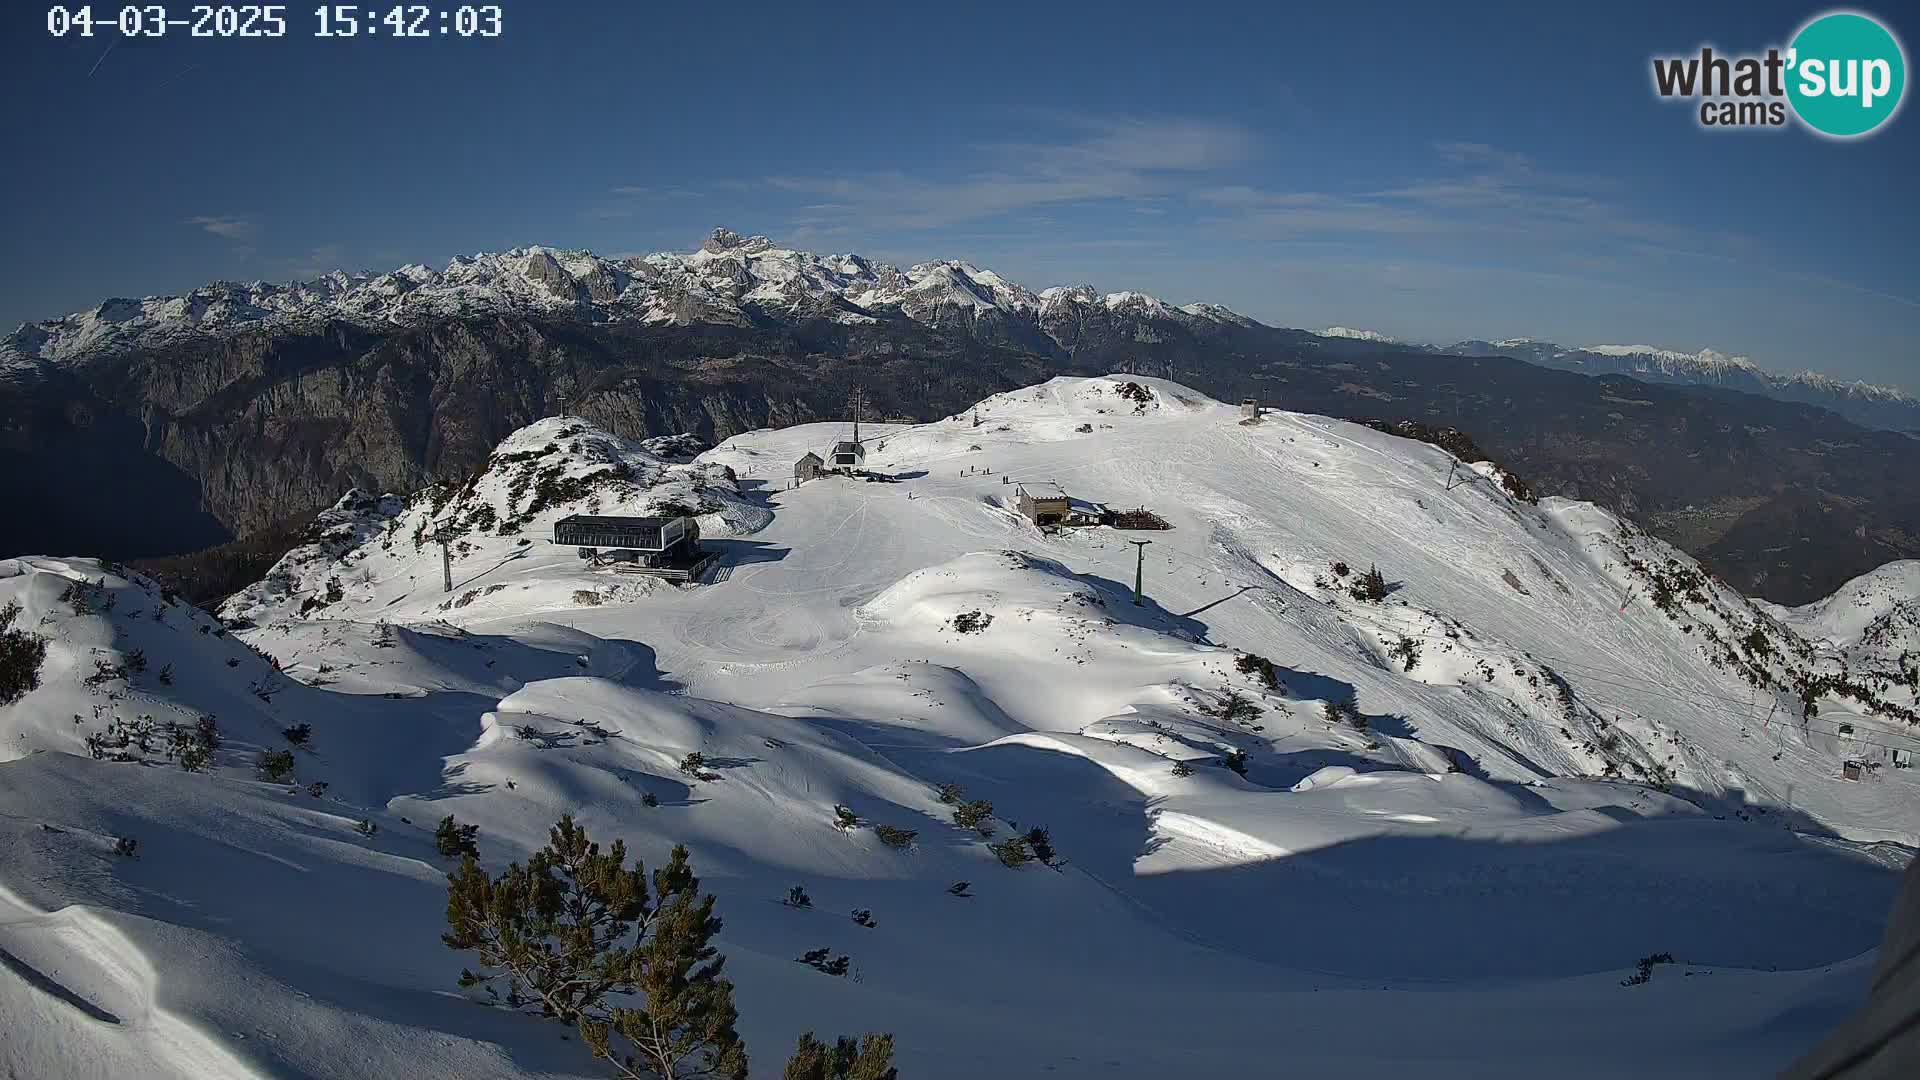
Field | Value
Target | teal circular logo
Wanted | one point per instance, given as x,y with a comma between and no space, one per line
1846,74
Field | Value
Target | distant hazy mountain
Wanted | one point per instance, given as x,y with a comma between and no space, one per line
1861,402
1357,335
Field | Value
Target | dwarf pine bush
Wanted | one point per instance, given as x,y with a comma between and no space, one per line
454,840
1012,852
21,654
848,1059
974,815
276,765
577,935
894,837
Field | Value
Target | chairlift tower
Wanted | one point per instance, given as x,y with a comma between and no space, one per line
445,537
1139,561
856,406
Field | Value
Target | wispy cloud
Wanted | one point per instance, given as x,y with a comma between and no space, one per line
237,229
634,191
628,199
316,262
1096,160
1485,195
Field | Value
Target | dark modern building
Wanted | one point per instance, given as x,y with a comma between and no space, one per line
848,454
653,540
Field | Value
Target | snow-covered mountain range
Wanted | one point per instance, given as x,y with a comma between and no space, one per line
1863,402
734,280
1556,756
729,279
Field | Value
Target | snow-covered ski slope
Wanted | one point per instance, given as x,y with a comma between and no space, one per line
1576,752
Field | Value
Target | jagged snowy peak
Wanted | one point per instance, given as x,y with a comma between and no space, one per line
1358,335
1218,314
728,276
1705,358
1852,388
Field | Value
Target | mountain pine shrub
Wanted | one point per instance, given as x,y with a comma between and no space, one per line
975,815
1407,651
1260,668
894,837
1012,852
576,934
848,1059
21,654
454,840
1040,839
276,765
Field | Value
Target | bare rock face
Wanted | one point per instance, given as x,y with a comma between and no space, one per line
721,240
545,270
603,285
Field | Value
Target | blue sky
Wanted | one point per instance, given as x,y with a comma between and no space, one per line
1430,171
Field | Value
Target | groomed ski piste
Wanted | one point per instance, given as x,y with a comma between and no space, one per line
1573,751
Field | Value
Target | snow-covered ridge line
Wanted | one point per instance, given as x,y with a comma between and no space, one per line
1703,358
1358,335
1707,366
717,283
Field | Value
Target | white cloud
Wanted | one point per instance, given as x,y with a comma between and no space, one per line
237,229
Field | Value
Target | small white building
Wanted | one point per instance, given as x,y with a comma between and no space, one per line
809,467
1042,503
